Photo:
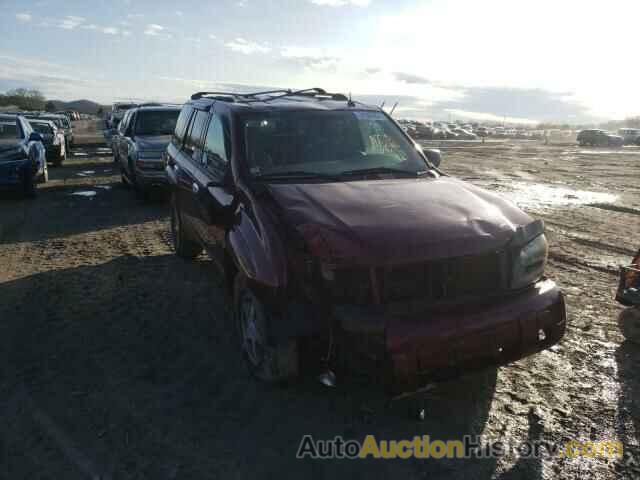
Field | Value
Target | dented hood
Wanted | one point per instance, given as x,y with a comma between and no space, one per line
392,221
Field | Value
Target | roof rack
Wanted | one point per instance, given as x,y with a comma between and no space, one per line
159,104
273,94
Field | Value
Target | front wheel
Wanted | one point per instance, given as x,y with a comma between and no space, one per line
30,188
269,360
183,246
44,178
60,159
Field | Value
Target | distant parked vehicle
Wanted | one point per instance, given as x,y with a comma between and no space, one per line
141,139
61,121
482,131
599,138
22,156
630,136
117,113
464,134
52,139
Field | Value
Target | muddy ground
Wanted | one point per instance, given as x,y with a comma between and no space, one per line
117,359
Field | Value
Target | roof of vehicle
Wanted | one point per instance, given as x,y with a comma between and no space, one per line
309,99
158,107
41,120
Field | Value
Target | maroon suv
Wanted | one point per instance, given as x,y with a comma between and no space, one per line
347,250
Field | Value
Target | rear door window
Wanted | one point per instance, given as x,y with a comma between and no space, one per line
216,149
181,125
194,141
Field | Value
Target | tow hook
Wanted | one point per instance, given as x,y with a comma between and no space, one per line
327,377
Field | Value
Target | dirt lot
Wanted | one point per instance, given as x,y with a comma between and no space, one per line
108,370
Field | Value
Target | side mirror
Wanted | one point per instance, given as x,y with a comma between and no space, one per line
35,137
434,156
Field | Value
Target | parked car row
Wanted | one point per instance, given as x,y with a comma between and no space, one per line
22,155
599,138
461,131
345,249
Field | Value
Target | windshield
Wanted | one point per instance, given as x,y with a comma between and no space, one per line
41,128
124,107
9,131
56,121
327,143
156,122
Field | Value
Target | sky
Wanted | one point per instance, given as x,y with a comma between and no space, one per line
490,60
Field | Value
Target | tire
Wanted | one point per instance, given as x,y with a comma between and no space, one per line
270,361
60,159
45,174
629,323
30,188
183,246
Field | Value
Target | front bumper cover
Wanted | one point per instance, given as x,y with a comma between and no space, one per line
448,341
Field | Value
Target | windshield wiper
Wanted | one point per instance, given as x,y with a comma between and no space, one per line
296,174
383,170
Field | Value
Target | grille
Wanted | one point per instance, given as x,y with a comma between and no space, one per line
441,280
435,281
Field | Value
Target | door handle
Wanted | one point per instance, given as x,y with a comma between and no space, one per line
195,188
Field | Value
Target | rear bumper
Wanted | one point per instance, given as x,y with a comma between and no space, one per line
53,151
152,178
450,341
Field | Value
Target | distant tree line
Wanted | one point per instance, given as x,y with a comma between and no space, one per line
25,99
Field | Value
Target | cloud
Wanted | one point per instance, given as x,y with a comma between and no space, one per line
341,3
212,36
52,79
372,70
24,17
110,30
410,78
490,117
153,29
247,47
70,22
131,16
311,58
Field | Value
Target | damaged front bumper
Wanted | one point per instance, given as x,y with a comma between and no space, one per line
447,341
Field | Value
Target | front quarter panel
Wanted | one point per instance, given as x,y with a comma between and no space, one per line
257,247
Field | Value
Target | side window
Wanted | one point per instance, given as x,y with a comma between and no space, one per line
181,125
216,148
123,124
196,129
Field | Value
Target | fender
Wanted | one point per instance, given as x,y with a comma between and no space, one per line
257,250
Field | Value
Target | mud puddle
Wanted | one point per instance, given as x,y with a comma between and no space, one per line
541,196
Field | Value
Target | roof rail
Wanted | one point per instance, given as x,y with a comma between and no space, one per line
274,94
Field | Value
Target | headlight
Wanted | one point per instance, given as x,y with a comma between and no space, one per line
529,262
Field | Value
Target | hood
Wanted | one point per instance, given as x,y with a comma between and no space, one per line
9,147
397,221
152,142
